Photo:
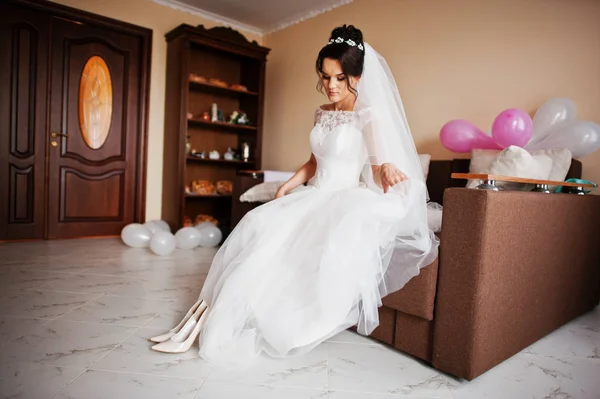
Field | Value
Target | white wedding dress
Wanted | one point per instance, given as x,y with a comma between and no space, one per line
300,269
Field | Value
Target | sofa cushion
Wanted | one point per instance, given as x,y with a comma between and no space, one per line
387,326
417,297
414,335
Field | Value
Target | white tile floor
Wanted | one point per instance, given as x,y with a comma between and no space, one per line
75,317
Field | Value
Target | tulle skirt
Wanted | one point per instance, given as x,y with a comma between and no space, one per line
300,269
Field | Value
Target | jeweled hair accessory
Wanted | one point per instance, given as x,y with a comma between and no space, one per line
348,42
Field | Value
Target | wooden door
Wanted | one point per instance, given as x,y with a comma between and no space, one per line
23,102
95,119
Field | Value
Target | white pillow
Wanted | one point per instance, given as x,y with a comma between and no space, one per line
517,162
264,192
561,163
481,161
425,161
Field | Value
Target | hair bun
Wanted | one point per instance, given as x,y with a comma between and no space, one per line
347,32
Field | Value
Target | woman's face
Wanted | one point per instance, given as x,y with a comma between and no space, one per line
335,82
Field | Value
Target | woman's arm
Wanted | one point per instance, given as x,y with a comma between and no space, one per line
385,174
304,174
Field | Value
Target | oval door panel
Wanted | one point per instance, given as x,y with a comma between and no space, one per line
95,102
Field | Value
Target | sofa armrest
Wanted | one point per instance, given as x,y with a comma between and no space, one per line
514,266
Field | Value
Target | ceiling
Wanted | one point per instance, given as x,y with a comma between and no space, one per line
256,16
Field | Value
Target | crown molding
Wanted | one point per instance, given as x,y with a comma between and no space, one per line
177,5
296,19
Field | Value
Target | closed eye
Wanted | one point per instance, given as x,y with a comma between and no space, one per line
338,77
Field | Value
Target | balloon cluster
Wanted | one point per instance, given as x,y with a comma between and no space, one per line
157,235
554,126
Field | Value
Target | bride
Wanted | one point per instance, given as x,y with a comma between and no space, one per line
302,268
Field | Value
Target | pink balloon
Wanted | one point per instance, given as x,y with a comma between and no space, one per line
512,127
463,136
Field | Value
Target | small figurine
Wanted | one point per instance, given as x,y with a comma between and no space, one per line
188,145
245,152
233,118
214,154
214,113
239,118
243,119
229,154
206,117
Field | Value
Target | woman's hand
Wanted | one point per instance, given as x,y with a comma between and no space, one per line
281,192
390,176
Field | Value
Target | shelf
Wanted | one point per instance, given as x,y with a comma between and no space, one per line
221,125
209,196
191,158
210,88
200,52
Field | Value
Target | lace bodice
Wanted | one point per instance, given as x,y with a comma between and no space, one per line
331,119
337,143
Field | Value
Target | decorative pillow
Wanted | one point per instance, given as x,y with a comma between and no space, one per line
264,192
561,163
517,162
425,161
481,161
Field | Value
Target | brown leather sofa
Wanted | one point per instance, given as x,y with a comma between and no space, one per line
513,267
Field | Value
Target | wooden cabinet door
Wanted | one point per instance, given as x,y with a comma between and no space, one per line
93,140
23,111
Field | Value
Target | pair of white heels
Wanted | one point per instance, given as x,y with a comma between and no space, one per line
180,338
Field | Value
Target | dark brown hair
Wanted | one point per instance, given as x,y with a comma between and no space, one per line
351,58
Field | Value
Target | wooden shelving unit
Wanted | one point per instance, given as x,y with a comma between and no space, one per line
235,163
220,89
208,196
224,54
221,125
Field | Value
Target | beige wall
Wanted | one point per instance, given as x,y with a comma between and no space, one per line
160,19
453,59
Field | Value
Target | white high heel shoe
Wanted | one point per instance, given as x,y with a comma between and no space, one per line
171,346
163,337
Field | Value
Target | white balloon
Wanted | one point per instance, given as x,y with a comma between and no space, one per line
162,243
210,236
152,226
187,238
164,225
581,138
202,225
553,114
157,225
135,235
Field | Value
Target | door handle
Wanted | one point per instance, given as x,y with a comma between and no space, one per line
55,135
